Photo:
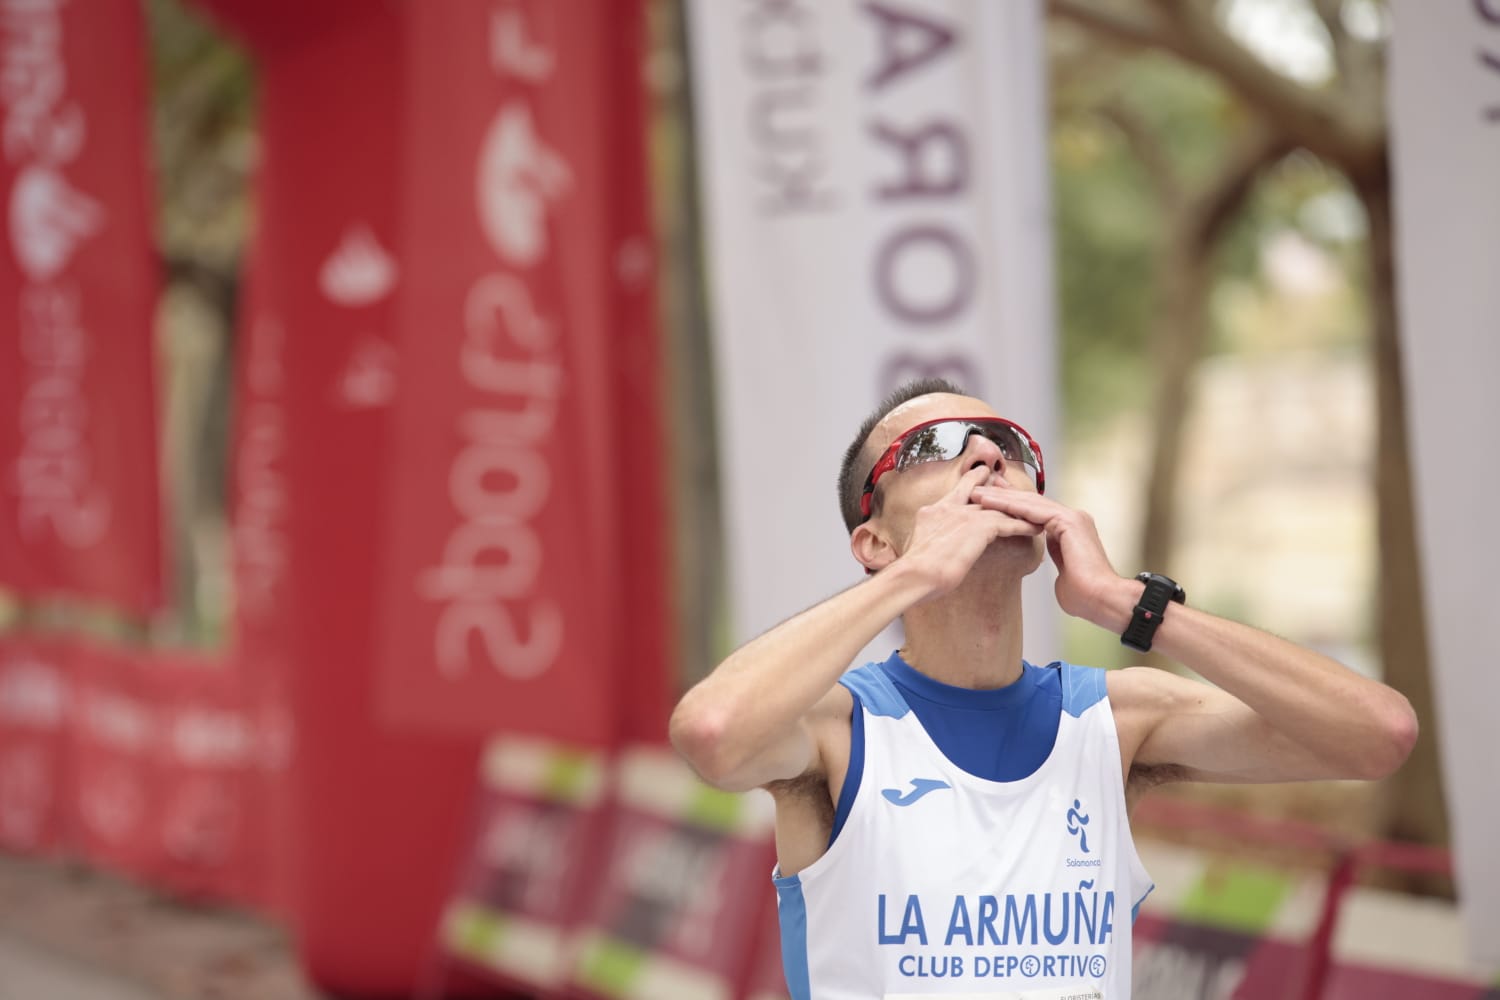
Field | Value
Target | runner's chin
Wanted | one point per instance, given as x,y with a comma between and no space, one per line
1020,552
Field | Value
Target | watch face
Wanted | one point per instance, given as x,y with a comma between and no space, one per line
1166,584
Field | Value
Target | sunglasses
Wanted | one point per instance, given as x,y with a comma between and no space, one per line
945,439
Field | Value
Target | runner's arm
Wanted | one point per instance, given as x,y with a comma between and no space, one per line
750,722
1284,713
747,724
1280,712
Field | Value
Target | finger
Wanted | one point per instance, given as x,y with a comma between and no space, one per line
1013,527
1021,496
1003,525
962,493
1019,503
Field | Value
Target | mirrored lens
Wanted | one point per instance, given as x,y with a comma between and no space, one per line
1012,445
937,443
945,441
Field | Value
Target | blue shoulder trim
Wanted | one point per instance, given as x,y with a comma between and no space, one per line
856,771
871,686
1082,688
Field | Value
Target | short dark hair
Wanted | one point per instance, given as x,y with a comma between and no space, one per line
855,467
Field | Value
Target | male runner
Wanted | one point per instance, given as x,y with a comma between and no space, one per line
953,821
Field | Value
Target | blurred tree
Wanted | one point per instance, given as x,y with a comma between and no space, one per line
202,124
1198,154
1105,246
698,547
1340,119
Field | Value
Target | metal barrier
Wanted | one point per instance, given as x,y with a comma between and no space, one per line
1348,858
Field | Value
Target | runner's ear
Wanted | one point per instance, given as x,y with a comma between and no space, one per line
871,547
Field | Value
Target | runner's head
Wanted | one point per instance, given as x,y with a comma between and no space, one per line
913,448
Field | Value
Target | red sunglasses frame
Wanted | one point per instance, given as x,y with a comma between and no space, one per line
887,461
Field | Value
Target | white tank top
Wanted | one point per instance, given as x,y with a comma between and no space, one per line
945,884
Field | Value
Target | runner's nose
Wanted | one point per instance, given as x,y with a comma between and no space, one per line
980,450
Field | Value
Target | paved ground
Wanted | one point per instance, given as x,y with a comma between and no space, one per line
30,973
67,933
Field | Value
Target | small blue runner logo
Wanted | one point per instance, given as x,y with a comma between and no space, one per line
1077,820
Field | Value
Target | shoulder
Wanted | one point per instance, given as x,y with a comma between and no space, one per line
1149,691
807,799
1080,687
875,690
1141,698
833,708
827,724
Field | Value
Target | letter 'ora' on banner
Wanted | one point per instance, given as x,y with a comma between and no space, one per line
875,184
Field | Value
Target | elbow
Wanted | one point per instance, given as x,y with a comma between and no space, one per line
698,734
1398,734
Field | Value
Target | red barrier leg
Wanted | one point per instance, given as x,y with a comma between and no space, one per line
1320,946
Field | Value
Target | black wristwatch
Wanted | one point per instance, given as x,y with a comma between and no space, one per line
1144,620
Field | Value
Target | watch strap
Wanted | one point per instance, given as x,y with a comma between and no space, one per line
1146,617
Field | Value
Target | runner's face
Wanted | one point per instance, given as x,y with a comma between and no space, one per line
901,494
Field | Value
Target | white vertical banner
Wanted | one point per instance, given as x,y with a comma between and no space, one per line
1445,116
874,176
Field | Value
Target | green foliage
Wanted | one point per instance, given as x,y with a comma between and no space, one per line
1193,118
203,126
1132,137
203,131
1105,238
1105,303
189,55
1110,205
